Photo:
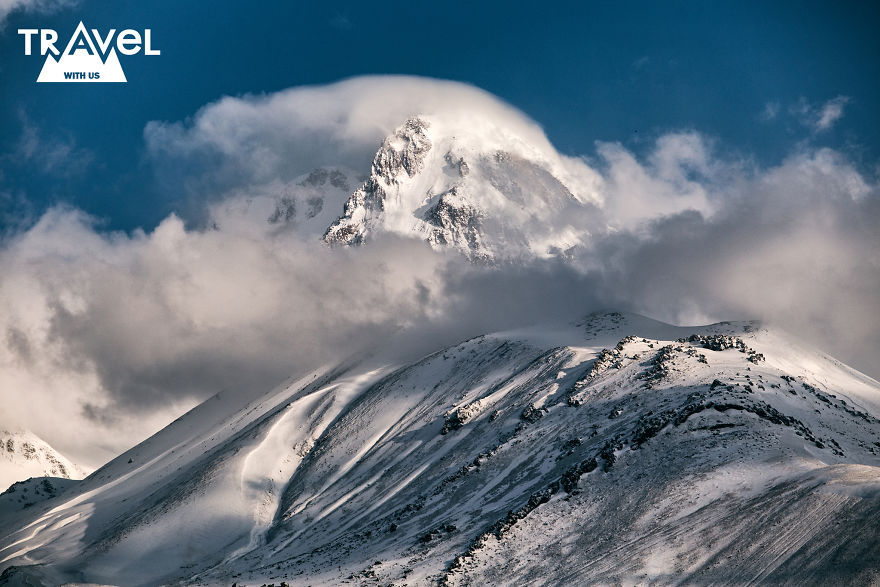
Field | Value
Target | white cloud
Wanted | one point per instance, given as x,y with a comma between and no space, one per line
50,154
255,139
823,117
771,111
9,6
831,112
101,329
105,336
676,177
255,143
795,245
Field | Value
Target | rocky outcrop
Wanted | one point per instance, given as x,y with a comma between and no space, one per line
455,221
401,155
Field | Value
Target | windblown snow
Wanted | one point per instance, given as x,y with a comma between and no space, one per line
614,449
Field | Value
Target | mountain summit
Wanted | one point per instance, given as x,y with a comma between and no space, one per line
481,190
615,449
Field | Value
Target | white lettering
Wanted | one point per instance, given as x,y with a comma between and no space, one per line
129,42
47,41
147,49
103,44
28,33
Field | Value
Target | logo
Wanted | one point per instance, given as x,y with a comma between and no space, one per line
88,57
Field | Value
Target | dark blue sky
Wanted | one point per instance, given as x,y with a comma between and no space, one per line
586,71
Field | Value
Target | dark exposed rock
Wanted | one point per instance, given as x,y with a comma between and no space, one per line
531,414
457,221
572,476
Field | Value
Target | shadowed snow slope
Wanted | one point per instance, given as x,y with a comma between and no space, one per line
616,449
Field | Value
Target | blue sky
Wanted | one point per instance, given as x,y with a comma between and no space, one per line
754,76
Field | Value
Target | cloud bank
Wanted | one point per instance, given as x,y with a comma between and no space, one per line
104,337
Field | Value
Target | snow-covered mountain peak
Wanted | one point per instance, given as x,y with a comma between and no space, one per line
472,185
401,156
24,454
402,152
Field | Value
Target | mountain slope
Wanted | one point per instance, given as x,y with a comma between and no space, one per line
617,449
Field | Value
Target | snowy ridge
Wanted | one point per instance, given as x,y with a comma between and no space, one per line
615,449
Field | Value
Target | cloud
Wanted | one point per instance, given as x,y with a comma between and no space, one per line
640,63
676,177
36,153
820,118
831,112
104,336
9,6
256,140
771,111
55,155
795,245
105,328
17,212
